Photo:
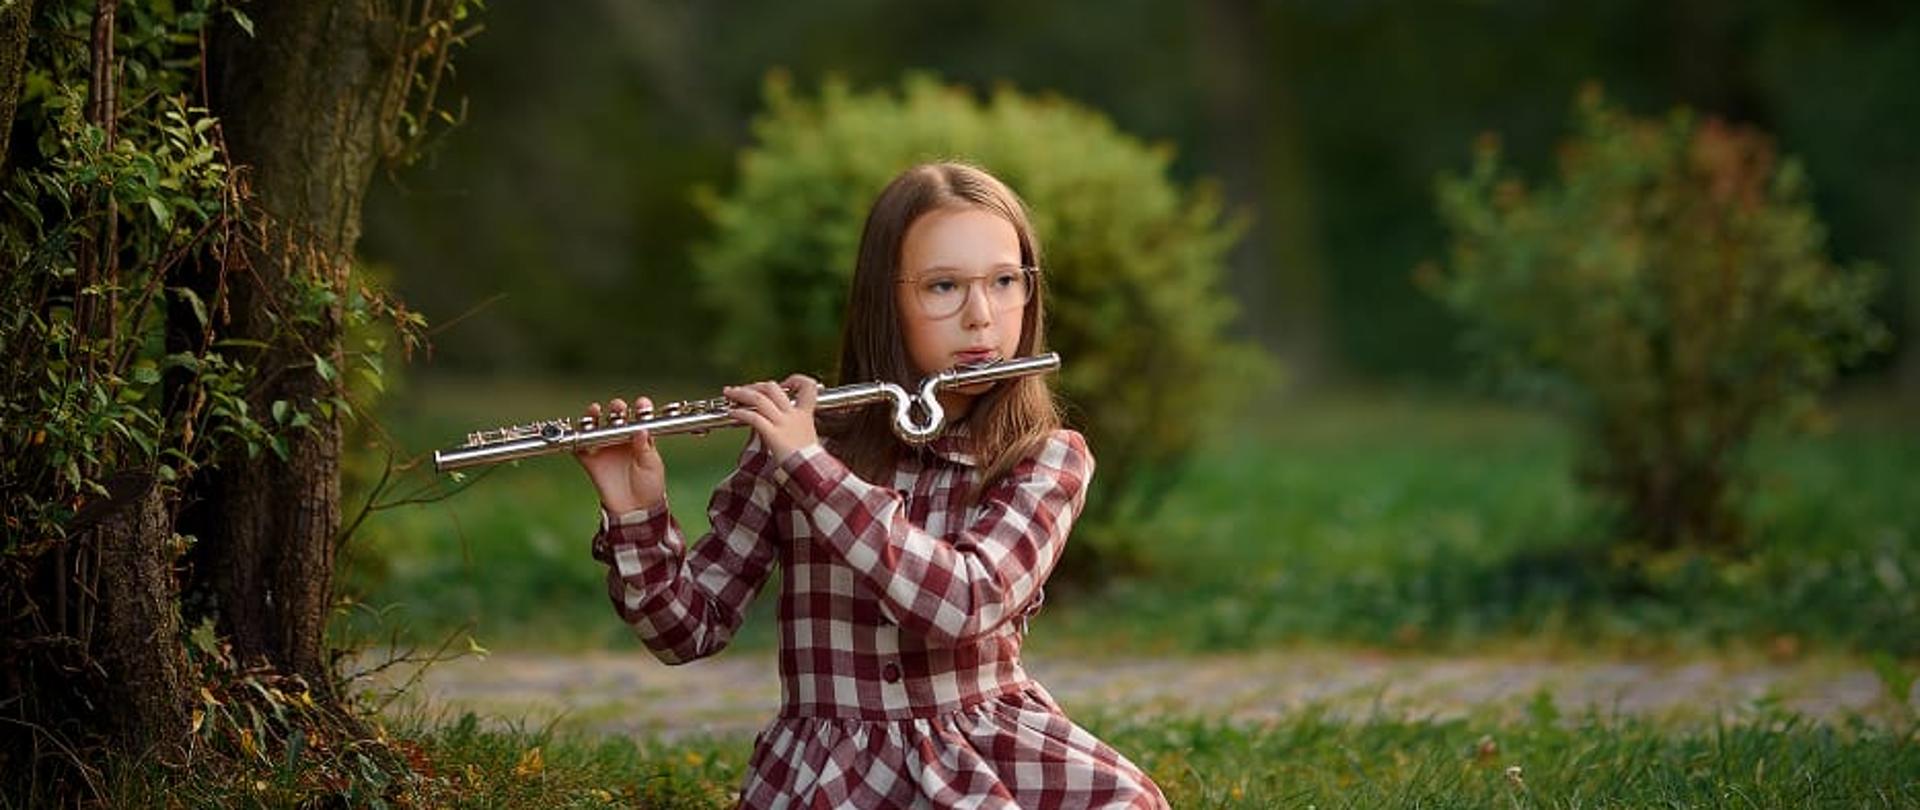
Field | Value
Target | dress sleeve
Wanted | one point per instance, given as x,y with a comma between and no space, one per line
949,592
686,605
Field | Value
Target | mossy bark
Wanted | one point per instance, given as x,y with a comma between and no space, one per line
14,18
301,99
139,625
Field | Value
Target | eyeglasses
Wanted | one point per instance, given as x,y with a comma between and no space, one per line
942,294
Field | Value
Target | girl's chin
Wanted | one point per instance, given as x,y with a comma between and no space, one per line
957,401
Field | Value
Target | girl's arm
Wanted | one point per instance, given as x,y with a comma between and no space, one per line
953,592
686,606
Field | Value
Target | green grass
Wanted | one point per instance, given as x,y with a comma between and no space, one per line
1394,519
1442,524
1766,759
1525,755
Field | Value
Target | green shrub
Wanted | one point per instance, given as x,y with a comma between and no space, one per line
1132,261
1672,291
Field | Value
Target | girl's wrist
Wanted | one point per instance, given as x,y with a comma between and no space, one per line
621,506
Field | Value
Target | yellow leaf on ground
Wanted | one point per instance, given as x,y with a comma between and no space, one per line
531,764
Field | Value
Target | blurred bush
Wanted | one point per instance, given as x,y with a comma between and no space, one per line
1132,261
1672,291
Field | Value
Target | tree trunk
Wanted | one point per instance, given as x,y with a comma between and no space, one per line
139,627
14,20
1277,267
301,104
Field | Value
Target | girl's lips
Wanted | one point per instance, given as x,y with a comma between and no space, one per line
974,356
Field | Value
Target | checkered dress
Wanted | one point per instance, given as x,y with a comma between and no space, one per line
902,610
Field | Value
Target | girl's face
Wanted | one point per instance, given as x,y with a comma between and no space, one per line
969,256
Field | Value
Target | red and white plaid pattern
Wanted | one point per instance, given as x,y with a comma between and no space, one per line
902,610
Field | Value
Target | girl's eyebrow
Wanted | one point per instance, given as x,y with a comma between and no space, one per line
947,268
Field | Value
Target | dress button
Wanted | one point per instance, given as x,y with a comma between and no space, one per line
891,672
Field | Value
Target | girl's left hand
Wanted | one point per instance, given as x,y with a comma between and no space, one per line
785,424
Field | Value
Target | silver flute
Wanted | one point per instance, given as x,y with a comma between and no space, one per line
917,418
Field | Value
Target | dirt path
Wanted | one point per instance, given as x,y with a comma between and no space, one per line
631,693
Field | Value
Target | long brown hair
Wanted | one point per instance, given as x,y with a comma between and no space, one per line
1006,423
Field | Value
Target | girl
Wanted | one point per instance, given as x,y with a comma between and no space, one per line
909,574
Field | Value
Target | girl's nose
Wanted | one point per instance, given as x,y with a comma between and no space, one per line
978,310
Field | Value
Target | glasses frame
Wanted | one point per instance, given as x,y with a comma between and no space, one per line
1032,272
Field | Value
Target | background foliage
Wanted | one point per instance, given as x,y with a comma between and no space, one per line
82,339
1672,291
1324,122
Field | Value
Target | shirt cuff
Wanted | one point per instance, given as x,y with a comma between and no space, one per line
809,474
638,527
609,520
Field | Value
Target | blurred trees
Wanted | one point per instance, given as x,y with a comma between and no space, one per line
1672,291
1325,121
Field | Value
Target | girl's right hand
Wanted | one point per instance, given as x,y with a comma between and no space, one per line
629,475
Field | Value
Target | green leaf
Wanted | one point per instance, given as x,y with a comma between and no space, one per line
193,300
1894,678
280,411
160,212
325,368
146,372
240,18
204,638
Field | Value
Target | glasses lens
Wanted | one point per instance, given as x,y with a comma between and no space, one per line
943,296
1010,288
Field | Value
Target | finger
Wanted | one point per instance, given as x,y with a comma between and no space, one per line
642,406
619,407
807,390
749,397
760,396
593,415
777,396
642,442
753,419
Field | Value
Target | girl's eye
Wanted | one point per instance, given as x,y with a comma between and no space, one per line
942,286
1006,280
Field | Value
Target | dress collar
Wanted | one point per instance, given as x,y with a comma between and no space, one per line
953,445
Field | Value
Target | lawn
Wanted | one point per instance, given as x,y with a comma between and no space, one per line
1766,759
